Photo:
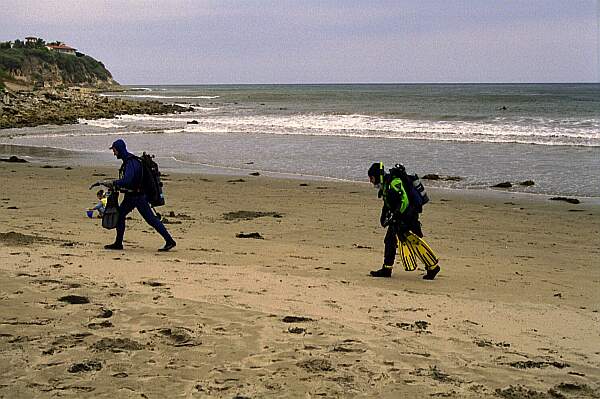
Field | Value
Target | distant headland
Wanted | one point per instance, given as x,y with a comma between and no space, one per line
53,83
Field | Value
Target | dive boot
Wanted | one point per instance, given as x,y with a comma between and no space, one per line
114,245
385,271
431,273
168,246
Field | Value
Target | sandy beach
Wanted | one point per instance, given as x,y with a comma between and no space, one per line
514,312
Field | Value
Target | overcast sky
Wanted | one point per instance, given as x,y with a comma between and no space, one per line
327,41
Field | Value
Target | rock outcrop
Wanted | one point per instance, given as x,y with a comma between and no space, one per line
58,107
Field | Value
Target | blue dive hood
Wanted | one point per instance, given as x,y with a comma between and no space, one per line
121,148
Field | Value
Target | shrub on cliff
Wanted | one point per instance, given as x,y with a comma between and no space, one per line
40,65
3,77
11,59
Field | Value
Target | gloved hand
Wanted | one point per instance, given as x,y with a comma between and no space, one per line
395,219
385,218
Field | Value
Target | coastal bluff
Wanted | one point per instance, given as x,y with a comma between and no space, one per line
53,83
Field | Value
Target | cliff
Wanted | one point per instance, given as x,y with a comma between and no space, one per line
54,84
33,65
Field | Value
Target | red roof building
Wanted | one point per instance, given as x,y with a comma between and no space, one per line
61,48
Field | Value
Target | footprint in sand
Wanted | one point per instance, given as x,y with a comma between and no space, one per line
86,366
178,336
103,324
316,365
419,326
153,283
105,313
116,345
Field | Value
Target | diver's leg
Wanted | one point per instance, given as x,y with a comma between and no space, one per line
125,208
389,254
144,209
391,244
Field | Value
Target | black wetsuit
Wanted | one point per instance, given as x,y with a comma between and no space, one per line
399,215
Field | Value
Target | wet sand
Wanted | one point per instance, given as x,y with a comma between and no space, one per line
514,312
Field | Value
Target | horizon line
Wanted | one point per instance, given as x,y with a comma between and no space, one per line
357,83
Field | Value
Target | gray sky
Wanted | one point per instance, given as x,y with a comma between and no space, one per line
327,41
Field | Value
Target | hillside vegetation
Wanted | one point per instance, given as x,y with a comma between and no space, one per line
33,65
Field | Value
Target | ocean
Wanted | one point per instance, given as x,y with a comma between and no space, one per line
483,134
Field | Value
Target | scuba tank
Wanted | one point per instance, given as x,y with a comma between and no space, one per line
419,188
416,191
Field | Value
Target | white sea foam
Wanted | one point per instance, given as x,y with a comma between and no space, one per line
544,131
158,96
197,107
36,137
154,118
363,126
103,123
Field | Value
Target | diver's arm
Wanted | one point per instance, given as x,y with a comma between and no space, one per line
385,212
128,175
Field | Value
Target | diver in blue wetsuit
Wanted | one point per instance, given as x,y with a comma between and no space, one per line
130,183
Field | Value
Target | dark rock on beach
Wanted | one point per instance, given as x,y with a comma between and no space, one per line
13,159
295,319
249,215
74,299
168,221
565,199
527,183
433,176
505,184
250,235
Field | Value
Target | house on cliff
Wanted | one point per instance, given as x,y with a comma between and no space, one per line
61,48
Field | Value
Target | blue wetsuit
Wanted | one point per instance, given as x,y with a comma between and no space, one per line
130,183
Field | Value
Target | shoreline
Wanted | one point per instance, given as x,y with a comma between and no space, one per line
48,155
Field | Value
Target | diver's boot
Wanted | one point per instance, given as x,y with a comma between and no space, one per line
385,271
114,245
168,246
431,273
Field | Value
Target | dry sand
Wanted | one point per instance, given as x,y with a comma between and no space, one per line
514,312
